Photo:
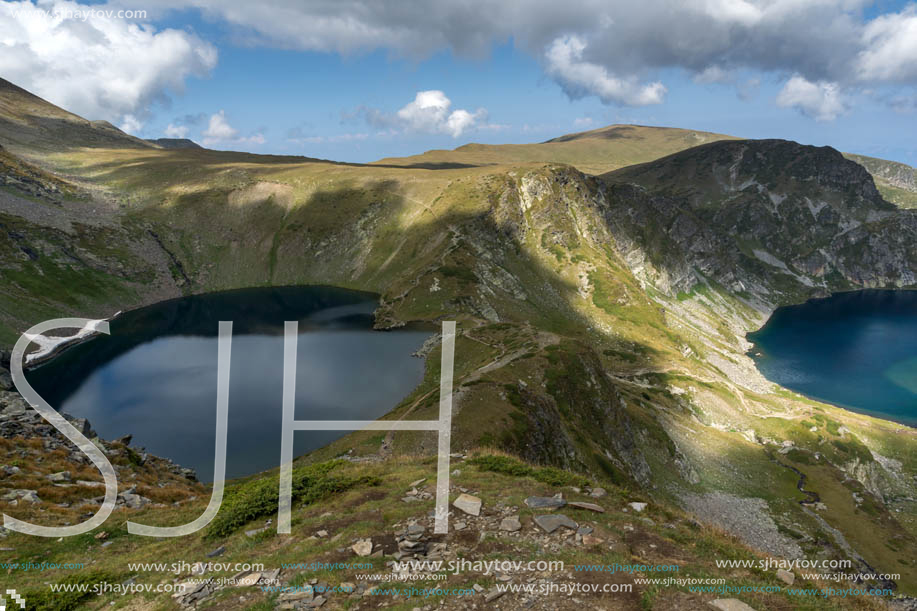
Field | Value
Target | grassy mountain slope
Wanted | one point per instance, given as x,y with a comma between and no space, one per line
29,123
364,501
593,152
602,318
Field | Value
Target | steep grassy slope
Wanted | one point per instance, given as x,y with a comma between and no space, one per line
31,124
359,501
602,319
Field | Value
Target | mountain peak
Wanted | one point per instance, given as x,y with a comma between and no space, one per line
781,167
30,125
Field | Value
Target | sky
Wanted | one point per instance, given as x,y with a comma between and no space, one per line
359,80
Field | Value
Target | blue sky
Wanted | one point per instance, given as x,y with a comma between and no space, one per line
337,79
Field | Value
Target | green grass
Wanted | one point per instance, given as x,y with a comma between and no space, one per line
259,498
46,600
506,465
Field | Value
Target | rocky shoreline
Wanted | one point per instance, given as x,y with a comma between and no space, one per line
17,420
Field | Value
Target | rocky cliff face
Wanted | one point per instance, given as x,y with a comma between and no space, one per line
771,220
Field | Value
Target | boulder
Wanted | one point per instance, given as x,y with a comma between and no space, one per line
469,504
511,524
551,522
545,502
83,426
12,403
786,576
363,547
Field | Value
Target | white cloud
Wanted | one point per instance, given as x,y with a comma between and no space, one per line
890,48
108,69
98,67
219,131
131,124
822,101
581,78
176,131
583,122
821,40
429,112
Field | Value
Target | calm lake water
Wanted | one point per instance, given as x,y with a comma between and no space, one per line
857,350
155,376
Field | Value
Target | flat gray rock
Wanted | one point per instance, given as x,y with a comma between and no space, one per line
469,504
730,604
511,524
545,502
587,506
551,522
363,547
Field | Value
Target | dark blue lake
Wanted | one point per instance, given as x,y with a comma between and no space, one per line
155,375
857,350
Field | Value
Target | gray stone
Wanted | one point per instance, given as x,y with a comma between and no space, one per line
786,576
217,552
469,504
26,495
12,403
363,547
493,595
510,524
597,493
587,506
83,426
134,501
551,522
638,507
730,604
545,502
59,477
300,593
